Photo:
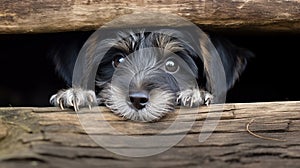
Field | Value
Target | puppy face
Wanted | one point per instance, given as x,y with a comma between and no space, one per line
142,74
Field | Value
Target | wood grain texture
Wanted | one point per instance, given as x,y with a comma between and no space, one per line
40,16
48,137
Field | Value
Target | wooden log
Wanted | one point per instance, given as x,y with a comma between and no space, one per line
49,137
42,16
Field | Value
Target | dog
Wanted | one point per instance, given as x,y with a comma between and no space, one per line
145,74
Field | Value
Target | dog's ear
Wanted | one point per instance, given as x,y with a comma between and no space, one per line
234,59
64,53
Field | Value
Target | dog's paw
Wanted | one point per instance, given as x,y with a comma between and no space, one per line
74,97
194,98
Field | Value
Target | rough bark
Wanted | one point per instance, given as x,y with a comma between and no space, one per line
40,16
49,137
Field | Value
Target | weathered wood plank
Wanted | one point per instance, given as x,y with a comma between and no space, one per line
48,137
39,16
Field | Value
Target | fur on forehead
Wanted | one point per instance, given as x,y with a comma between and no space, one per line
130,41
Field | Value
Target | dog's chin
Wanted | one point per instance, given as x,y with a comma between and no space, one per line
160,103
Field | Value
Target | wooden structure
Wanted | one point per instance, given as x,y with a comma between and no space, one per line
247,135
42,16
48,137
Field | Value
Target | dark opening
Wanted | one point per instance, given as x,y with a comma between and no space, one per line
28,77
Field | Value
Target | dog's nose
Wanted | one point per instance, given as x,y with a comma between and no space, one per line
139,99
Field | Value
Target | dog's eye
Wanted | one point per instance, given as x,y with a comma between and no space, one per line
117,60
171,66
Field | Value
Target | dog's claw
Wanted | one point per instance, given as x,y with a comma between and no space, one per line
61,104
55,97
75,105
191,102
208,99
91,101
90,98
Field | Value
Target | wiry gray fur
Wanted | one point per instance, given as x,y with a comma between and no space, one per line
143,70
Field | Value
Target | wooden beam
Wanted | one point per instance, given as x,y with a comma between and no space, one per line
42,16
48,137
